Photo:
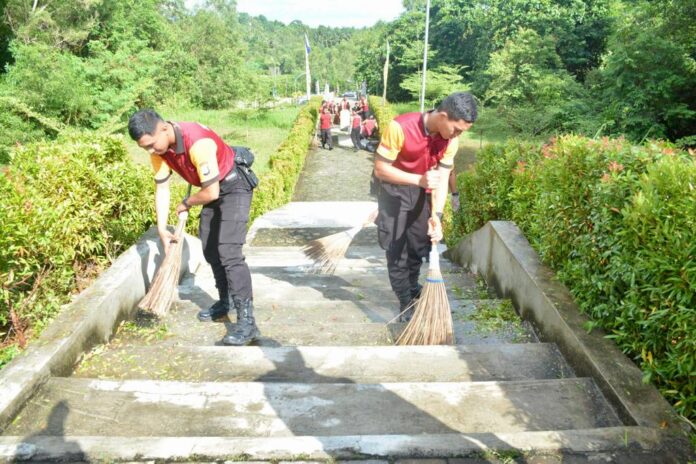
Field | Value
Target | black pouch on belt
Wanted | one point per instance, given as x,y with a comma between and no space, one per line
243,159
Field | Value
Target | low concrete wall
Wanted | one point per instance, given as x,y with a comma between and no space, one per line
89,320
501,254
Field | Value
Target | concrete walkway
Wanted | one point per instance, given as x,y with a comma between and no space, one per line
324,382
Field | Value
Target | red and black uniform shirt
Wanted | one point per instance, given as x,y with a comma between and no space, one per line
357,120
200,156
325,121
409,147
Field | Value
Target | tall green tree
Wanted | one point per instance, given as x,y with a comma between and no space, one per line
647,81
530,87
439,83
467,32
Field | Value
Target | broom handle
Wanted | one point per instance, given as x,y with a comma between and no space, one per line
182,218
433,214
434,257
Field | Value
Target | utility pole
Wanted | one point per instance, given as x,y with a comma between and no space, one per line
425,56
386,75
309,79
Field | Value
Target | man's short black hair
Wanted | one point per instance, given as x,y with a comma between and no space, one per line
143,122
459,105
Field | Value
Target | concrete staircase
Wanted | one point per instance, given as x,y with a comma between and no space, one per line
325,381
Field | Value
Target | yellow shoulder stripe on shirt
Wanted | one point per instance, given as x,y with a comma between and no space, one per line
161,169
203,156
392,141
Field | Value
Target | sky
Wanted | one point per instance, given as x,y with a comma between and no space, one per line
332,13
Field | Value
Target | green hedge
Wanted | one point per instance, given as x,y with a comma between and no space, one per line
384,113
278,184
617,223
68,207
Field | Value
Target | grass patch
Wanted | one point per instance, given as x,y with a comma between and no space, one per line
261,129
7,353
145,326
492,317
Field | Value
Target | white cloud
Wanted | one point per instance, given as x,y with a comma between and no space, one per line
342,13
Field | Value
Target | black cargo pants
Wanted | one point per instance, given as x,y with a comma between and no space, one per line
402,227
222,231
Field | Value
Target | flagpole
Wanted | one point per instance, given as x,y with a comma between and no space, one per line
308,77
425,56
386,75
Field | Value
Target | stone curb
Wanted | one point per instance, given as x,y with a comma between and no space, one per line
87,321
502,255
13,449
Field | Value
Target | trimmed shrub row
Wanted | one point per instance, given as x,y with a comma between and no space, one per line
384,113
617,222
68,207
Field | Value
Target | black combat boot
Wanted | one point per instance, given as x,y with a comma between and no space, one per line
416,291
218,311
405,301
245,331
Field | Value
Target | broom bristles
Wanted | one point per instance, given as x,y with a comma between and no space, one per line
161,293
327,252
431,323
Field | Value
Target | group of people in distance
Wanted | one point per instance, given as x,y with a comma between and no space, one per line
413,164
357,116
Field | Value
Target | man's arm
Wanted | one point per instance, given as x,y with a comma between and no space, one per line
384,170
162,197
440,191
202,197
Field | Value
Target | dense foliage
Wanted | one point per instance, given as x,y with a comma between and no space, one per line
550,67
618,224
69,206
90,64
547,67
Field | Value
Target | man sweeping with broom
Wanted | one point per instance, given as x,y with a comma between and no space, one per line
201,157
415,156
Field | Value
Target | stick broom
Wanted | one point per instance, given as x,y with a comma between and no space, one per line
431,323
159,297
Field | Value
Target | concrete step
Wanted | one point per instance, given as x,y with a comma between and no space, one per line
620,445
277,285
322,364
154,408
309,214
357,258
180,327
328,311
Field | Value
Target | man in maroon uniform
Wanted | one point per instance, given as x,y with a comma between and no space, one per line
355,130
325,127
368,126
415,156
200,156
364,107
345,104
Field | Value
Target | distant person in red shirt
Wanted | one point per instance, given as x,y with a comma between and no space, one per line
364,108
414,158
325,127
368,127
356,122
